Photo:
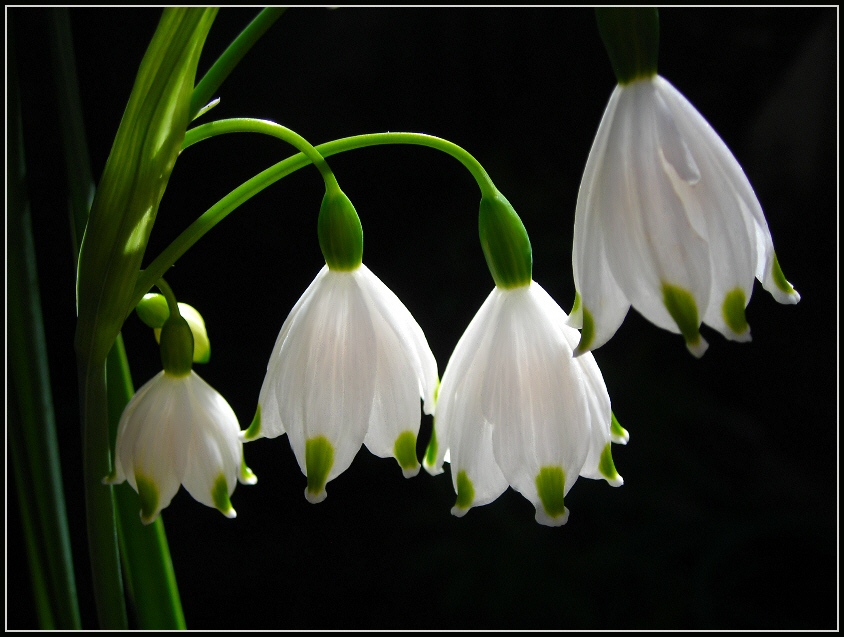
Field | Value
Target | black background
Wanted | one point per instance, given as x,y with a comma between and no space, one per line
728,516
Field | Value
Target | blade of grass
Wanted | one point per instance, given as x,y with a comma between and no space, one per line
32,424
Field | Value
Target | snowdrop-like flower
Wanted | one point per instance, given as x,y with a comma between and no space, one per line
348,368
666,220
176,430
515,408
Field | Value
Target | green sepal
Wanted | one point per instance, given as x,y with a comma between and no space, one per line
340,232
505,243
631,37
176,346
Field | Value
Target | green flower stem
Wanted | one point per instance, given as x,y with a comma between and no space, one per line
99,498
230,58
167,291
249,125
252,187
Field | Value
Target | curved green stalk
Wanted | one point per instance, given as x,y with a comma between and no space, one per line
224,65
167,291
250,125
252,187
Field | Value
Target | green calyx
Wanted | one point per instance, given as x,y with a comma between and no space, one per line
340,232
176,346
631,36
505,243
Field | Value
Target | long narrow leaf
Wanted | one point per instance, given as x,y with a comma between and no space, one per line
145,553
31,419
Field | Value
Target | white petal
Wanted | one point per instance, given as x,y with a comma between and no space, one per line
215,449
395,407
383,301
597,289
737,183
723,198
326,371
456,372
600,412
534,396
271,423
127,433
156,454
461,427
651,238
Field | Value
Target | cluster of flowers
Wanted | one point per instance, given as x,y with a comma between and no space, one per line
666,221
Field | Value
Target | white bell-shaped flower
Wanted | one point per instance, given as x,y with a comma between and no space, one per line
515,408
175,430
349,367
666,221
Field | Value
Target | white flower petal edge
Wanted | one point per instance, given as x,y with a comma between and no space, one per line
515,408
349,367
667,221
179,430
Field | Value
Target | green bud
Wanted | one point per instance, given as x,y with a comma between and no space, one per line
154,311
631,36
505,243
176,346
340,232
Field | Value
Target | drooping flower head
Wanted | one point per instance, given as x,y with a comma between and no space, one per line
349,366
666,220
514,407
177,430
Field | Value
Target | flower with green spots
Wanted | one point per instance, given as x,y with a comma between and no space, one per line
348,368
515,408
666,221
176,430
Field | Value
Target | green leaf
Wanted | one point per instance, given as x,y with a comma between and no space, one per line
32,433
